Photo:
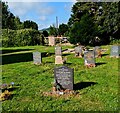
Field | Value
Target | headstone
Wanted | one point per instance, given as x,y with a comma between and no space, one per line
97,51
51,40
78,51
58,51
58,60
115,51
37,57
58,55
64,76
89,58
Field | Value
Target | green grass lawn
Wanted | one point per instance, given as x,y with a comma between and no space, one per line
97,87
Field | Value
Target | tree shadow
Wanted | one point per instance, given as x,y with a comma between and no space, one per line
13,50
100,63
82,85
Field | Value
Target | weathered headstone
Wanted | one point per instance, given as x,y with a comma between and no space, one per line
89,58
51,40
58,55
115,51
37,58
78,51
97,51
58,51
64,76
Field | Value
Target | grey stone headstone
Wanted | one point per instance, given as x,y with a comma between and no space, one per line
97,51
115,51
78,49
37,58
64,76
89,57
58,51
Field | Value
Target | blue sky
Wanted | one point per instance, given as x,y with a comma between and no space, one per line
43,13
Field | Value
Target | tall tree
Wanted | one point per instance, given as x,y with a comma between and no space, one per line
83,32
63,28
53,31
30,24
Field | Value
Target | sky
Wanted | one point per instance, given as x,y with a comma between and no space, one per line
43,13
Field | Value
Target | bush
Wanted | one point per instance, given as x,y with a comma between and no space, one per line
24,37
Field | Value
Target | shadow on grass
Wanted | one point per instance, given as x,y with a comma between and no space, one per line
105,55
65,54
14,50
100,63
46,54
81,85
15,58
21,57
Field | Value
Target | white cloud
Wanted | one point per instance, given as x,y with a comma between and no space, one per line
43,18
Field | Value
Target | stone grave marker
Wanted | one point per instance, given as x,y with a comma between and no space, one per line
115,51
64,76
97,51
89,58
37,59
78,51
51,40
58,51
58,55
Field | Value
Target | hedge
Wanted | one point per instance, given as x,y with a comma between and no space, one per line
24,37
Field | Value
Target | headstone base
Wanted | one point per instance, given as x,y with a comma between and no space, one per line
90,65
58,60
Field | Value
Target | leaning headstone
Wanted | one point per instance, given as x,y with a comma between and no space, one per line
37,58
97,51
64,77
58,55
89,58
51,40
115,51
78,51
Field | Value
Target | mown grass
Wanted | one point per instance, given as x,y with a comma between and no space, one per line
97,87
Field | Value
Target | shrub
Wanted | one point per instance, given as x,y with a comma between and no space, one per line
24,37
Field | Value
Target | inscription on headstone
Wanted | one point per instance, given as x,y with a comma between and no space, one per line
89,58
97,51
115,51
37,58
64,76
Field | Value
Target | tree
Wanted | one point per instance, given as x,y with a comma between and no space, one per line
105,16
18,23
84,31
53,31
63,28
45,33
30,24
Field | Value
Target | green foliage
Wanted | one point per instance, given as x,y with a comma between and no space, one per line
30,24
53,31
24,37
84,31
105,16
45,33
63,28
